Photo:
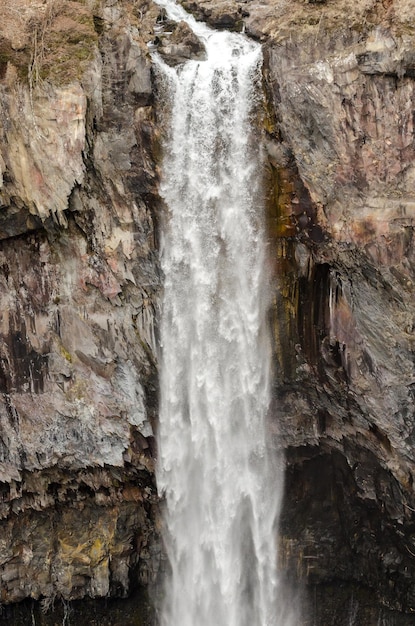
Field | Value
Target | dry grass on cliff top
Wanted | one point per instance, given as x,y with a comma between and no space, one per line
46,39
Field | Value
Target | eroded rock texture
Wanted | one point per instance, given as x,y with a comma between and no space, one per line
80,284
78,300
342,168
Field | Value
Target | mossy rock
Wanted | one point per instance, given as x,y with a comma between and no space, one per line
53,42
19,58
66,41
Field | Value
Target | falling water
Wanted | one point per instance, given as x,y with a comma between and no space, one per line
222,490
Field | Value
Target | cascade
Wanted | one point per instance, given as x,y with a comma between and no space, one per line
222,487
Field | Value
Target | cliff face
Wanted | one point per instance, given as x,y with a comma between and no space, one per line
80,285
341,85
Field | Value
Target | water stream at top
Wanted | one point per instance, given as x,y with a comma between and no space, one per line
222,488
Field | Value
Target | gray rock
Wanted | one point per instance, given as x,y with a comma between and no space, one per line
181,45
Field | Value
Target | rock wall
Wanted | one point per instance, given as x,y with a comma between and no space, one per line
341,86
79,214
78,302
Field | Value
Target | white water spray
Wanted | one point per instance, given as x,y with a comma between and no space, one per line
221,488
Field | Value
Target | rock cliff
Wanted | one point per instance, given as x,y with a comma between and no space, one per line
79,283
79,214
341,89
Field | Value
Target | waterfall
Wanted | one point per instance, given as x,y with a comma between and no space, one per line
222,488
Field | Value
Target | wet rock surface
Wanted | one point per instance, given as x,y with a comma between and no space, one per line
133,611
341,216
176,42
